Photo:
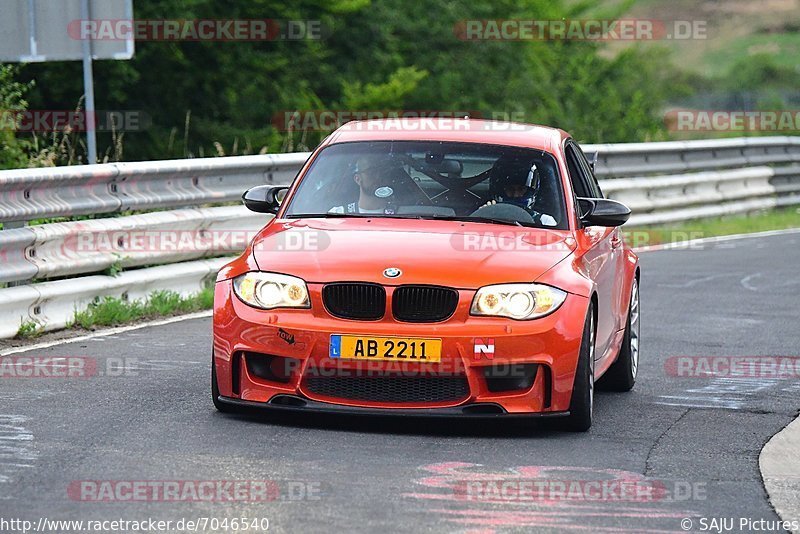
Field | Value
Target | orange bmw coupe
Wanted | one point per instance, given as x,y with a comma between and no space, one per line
426,267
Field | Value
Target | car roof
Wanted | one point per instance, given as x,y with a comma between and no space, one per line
466,130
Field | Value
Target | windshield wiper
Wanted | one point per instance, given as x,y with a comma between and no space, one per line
329,215
463,218
468,218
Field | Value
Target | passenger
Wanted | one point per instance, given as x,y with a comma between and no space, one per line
373,174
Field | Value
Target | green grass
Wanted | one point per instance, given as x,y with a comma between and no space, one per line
783,47
29,330
734,30
762,221
112,311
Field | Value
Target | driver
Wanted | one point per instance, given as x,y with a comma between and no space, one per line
518,185
374,196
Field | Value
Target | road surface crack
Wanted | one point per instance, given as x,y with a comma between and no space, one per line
647,468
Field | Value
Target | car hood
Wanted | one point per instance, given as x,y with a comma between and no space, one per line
449,253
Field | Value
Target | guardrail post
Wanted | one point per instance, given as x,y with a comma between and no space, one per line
14,225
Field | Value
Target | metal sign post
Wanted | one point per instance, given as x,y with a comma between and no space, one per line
88,89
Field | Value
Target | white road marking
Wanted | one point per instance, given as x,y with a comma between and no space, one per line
723,392
714,240
96,336
160,365
16,449
746,282
696,281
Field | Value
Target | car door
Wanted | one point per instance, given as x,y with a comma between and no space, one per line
618,299
600,258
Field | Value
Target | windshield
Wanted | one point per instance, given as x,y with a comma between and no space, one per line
428,179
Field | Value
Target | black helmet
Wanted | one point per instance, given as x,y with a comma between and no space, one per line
515,172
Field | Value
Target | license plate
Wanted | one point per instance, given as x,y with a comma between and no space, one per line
406,349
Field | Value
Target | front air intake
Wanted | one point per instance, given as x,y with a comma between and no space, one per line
355,300
424,304
390,389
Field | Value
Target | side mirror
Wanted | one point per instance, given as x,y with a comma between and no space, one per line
603,212
265,198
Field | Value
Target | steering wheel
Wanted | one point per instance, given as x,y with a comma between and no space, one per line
504,212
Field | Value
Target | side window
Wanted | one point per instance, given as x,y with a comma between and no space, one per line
577,174
594,187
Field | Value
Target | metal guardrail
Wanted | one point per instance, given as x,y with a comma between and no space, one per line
28,194
52,305
661,182
683,197
91,246
644,159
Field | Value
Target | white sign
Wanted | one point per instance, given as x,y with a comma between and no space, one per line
46,30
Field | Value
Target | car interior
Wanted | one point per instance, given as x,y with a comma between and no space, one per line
436,181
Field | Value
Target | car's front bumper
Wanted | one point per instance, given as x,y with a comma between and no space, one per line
294,404
551,344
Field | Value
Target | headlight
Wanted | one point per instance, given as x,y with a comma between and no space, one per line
517,301
271,290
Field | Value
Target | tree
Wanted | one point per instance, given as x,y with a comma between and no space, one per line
12,149
221,97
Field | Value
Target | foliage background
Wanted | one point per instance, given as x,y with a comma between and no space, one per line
215,98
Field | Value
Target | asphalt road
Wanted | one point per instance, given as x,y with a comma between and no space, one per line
694,440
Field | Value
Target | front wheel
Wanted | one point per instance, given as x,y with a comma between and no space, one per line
621,376
581,406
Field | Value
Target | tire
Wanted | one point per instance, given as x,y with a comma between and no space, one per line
224,408
621,376
581,404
